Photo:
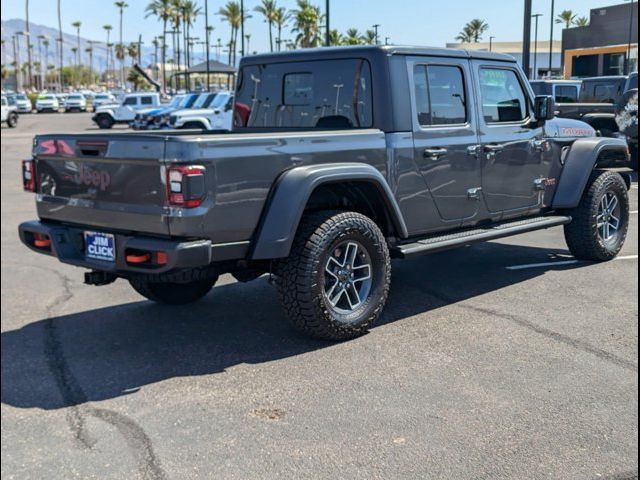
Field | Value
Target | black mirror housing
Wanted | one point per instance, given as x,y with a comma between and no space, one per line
545,108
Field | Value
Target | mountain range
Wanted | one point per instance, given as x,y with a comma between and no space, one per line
70,40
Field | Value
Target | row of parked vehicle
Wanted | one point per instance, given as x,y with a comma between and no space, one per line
56,102
145,111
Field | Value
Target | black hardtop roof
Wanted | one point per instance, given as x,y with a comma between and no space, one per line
370,50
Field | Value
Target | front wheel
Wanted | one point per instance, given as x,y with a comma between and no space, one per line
12,120
335,282
104,122
601,220
173,293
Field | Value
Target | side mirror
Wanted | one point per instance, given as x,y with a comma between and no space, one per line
228,107
545,108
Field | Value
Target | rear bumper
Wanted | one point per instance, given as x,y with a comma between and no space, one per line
67,245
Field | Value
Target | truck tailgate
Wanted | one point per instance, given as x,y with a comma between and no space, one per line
111,182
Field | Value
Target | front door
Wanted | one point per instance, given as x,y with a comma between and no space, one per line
513,160
445,135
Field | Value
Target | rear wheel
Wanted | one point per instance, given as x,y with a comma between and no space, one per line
335,282
173,293
12,120
104,121
601,220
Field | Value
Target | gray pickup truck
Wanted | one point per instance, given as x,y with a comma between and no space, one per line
346,158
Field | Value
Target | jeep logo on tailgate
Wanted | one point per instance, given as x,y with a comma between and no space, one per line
93,177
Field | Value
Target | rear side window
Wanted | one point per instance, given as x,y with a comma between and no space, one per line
566,93
503,98
605,93
440,95
313,94
146,100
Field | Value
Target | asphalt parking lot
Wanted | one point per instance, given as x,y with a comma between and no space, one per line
507,360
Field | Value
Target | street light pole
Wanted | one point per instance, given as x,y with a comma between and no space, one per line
553,5
206,28
491,43
242,51
328,24
535,47
627,61
376,27
526,41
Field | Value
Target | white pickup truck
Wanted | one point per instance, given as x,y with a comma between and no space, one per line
217,114
106,116
9,113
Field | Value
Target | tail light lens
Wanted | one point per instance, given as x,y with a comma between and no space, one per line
29,175
185,186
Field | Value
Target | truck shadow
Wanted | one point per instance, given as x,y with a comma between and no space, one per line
109,352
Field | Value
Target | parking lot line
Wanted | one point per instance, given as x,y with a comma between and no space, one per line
559,264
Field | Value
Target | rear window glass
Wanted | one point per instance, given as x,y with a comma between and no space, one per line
315,94
566,93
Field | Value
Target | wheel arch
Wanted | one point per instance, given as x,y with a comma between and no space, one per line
585,155
346,186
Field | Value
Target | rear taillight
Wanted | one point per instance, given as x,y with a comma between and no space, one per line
29,175
185,186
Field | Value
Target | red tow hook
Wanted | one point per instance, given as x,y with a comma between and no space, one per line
41,241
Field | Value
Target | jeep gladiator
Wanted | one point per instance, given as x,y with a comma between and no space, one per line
348,157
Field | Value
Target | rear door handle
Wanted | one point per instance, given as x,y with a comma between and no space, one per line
435,153
493,148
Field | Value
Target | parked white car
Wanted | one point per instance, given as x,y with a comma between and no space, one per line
102,99
9,113
107,116
75,101
216,114
47,103
23,104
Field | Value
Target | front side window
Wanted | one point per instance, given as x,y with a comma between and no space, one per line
312,94
130,101
503,98
440,95
566,94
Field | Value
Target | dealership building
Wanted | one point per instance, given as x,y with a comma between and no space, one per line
607,46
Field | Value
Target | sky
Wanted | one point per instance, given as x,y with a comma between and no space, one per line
409,22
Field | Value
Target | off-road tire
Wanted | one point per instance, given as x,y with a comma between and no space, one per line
104,121
172,293
12,120
582,233
300,277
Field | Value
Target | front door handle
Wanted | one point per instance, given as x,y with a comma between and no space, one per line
493,148
434,153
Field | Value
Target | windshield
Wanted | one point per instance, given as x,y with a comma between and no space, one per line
188,101
21,97
47,97
220,100
176,101
75,97
200,103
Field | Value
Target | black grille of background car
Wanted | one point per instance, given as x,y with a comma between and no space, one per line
173,120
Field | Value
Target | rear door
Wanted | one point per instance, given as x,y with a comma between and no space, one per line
127,111
445,134
512,143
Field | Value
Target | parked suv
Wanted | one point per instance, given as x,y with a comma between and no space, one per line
348,157
217,116
47,103
108,115
23,103
9,113
75,102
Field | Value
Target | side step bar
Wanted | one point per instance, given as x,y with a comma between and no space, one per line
475,235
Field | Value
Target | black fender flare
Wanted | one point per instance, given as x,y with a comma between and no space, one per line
578,165
291,192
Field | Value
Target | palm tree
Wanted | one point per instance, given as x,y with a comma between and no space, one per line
176,21
190,13
108,28
280,19
232,14
370,37
26,7
60,45
121,5
336,38
77,24
74,71
162,10
581,22
121,52
45,44
132,51
89,50
268,10
353,37
307,19
472,32
567,17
